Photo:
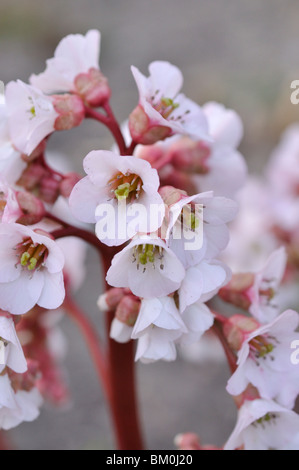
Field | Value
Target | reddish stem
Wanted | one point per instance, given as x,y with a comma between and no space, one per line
230,355
124,401
124,391
111,123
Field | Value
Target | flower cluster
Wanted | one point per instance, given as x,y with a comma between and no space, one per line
157,208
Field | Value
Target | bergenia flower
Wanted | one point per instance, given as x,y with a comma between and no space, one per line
204,216
75,68
198,319
202,282
158,325
31,267
147,267
265,286
163,111
17,407
116,186
264,360
32,116
11,353
264,425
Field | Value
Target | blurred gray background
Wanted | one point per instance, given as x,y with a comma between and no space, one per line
243,54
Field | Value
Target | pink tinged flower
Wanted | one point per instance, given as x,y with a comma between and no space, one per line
264,425
113,190
11,353
264,289
264,360
158,326
198,319
207,219
163,111
31,270
31,116
147,267
202,282
75,68
17,407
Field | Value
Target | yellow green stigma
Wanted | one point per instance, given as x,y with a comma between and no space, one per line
147,253
31,255
126,187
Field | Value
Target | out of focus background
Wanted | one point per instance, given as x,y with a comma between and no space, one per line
243,54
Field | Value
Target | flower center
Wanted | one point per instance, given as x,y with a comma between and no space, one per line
190,217
261,347
148,254
31,255
125,187
166,107
265,419
2,203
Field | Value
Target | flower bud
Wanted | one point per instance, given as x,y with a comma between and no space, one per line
237,328
93,87
127,310
111,299
32,208
190,156
236,291
67,184
49,189
70,109
143,131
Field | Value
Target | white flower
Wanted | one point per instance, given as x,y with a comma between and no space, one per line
162,111
198,319
31,267
114,188
17,407
147,267
206,219
264,425
225,125
264,360
11,353
158,325
202,282
266,282
74,55
31,116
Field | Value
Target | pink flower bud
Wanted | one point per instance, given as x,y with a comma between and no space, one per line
93,87
190,156
237,328
127,310
236,291
32,208
142,129
67,184
31,176
111,299
250,393
70,109
49,189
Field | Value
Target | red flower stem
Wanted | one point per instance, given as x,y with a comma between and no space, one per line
124,391
230,355
93,343
111,123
